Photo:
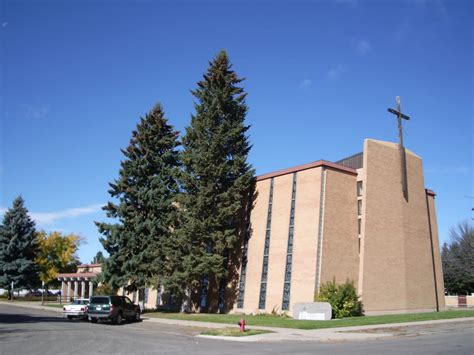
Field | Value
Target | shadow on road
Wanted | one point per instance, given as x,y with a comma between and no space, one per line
6,318
23,318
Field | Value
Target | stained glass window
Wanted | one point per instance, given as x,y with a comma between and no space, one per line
266,251
289,253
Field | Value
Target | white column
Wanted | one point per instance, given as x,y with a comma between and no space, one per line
91,288
68,290
62,290
76,286
86,280
83,289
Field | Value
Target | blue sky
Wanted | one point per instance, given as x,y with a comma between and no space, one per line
77,75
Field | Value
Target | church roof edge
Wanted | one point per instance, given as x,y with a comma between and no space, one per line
89,265
315,164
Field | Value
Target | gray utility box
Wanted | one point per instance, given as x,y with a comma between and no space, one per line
312,311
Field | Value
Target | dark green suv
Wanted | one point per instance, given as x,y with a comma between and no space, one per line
113,308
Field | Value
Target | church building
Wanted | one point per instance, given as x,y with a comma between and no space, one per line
367,218
357,219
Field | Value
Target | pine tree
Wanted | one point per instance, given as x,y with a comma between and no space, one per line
99,258
146,211
216,177
18,249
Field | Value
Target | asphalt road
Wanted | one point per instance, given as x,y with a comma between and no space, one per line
28,331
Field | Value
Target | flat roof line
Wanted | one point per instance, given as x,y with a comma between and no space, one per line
78,274
89,265
315,164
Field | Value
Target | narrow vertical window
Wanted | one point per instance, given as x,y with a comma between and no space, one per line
359,225
205,282
204,289
289,251
223,284
243,269
359,188
359,207
221,303
145,295
158,295
266,252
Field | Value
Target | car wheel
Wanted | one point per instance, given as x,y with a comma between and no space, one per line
93,320
137,316
69,317
118,319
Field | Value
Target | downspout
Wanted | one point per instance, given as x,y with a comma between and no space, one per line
321,228
432,252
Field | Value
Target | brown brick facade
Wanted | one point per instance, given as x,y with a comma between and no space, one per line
395,265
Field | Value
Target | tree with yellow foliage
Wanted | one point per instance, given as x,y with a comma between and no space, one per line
57,254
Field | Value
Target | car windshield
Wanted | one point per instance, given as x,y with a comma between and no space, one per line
80,302
100,300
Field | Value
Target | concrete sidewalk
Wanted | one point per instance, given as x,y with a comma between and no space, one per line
358,333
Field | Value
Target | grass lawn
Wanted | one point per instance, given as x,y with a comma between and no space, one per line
30,299
36,302
276,321
56,305
233,332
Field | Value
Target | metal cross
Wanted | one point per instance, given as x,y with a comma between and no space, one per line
401,148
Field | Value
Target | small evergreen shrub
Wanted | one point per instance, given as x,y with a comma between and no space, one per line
342,298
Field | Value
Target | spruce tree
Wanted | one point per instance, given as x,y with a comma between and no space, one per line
216,177
99,258
18,249
146,210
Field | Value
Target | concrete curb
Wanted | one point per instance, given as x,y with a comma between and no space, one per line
187,323
404,324
322,335
245,339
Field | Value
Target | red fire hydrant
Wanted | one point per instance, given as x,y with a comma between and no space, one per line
242,325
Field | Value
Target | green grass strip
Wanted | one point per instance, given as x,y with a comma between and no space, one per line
55,305
282,322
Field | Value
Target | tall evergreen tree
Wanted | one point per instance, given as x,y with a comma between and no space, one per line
99,258
146,211
216,177
18,248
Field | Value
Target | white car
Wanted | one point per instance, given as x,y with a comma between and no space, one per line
77,309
